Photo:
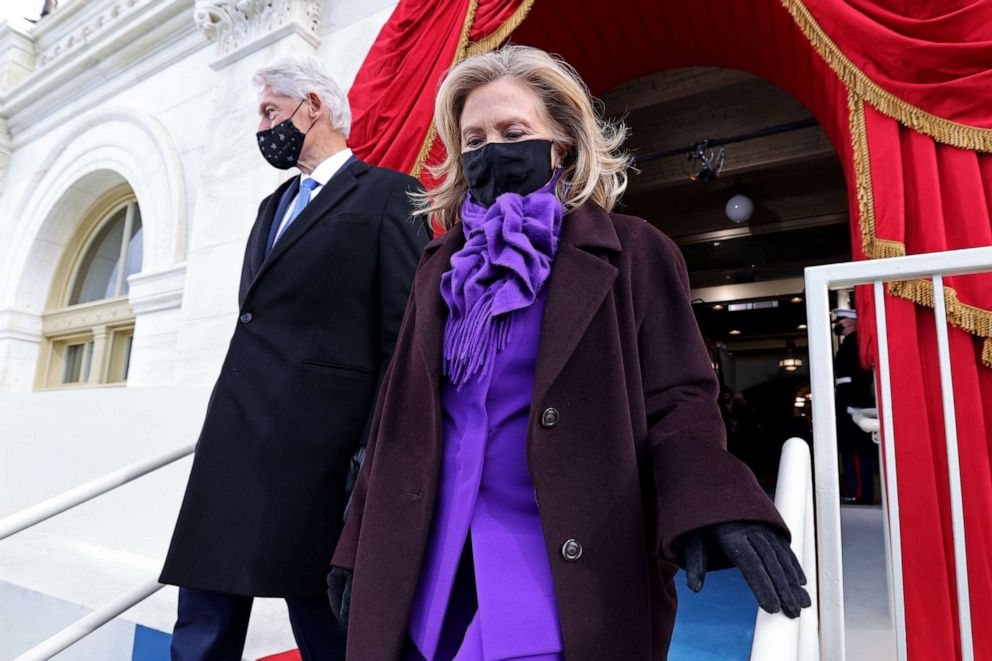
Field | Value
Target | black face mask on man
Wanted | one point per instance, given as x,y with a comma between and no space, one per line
507,167
282,144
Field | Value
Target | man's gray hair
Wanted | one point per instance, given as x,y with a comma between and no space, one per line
296,76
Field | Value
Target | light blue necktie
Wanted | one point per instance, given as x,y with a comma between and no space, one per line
302,199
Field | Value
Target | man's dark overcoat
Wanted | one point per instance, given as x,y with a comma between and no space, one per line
632,456
317,324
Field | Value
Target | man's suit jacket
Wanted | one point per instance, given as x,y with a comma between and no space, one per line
317,323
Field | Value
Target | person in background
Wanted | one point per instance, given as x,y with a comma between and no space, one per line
547,445
326,276
858,452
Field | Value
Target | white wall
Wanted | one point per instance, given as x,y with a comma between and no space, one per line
151,98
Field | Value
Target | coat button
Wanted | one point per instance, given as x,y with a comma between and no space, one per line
246,318
571,550
550,418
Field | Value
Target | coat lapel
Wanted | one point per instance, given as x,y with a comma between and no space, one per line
579,282
432,312
336,190
260,235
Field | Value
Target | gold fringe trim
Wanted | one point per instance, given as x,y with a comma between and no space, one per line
503,32
872,246
425,151
966,317
466,49
961,315
942,130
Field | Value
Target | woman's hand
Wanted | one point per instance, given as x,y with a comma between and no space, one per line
761,553
339,592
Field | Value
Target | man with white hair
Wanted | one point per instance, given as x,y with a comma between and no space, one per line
326,275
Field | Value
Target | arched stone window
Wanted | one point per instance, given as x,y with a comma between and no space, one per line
89,325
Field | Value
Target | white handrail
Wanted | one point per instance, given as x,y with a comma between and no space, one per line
819,280
776,637
87,625
57,504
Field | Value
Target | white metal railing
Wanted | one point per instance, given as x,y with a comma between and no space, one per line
776,637
87,625
65,501
819,280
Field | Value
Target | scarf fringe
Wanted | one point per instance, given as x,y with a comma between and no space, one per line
470,347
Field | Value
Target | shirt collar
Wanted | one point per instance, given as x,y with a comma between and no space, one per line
329,167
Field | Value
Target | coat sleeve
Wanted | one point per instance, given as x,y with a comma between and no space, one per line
402,238
401,242
347,546
698,482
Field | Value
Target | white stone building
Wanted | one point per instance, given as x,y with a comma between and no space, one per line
129,179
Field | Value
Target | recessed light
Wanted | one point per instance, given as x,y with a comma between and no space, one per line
796,299
735,332
801,326
716,243
719,306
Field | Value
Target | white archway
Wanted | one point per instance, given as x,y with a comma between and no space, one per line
99,152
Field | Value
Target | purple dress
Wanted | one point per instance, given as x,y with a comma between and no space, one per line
485,487
494,292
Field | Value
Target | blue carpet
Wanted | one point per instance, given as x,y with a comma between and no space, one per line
150,645
717,624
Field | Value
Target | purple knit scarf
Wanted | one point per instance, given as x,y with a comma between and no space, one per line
505,261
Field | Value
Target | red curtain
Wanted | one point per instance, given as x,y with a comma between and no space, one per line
915,76
931,197
933,54
392,98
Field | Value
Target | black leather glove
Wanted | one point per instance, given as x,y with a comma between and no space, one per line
761,553
339,592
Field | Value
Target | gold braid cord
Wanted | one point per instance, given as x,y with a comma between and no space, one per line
966,317
467,48
942,130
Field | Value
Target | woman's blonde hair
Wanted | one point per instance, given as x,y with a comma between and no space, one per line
595,168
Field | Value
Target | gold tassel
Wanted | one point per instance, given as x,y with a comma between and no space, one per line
942,130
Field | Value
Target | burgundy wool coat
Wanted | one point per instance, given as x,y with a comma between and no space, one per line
625,446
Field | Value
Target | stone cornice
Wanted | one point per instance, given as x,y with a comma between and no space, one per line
80,52
240,27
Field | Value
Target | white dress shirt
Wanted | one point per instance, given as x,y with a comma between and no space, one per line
321,174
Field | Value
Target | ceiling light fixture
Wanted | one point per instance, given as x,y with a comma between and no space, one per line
703,163
739,208
735,332
791,362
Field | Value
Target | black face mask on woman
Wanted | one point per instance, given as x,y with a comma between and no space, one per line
507,167
282,144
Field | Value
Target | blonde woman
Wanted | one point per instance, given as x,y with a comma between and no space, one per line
547,445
